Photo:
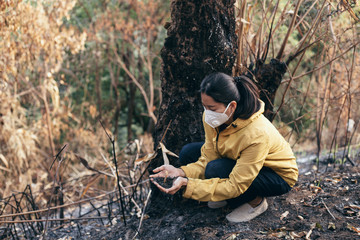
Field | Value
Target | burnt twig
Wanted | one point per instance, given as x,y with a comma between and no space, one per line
142,215
61,206
97,210
57,155
54,189
117,174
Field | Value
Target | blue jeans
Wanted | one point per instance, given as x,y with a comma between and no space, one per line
266,184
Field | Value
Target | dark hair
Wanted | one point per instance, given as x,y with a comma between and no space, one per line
225,89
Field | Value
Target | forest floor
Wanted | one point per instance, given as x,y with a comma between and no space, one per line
322,205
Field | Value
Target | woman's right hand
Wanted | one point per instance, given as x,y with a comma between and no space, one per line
167,171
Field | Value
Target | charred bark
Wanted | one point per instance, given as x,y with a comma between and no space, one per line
200,40
268,78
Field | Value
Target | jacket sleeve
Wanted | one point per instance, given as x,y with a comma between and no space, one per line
208,153
247,167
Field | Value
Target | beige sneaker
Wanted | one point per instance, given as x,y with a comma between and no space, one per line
218,204
245,212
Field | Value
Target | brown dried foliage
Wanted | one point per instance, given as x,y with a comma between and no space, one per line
321,50
33,44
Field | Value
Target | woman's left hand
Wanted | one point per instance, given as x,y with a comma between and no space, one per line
178,183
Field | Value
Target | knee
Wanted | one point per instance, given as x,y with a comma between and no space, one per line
219,168
211,170
188,153
184,154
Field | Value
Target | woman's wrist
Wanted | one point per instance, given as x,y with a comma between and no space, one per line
181,173
184,182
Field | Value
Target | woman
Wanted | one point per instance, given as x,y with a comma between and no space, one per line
244,158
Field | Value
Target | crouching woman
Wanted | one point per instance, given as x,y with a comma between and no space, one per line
244,158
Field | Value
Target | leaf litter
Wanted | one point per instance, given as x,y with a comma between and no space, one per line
303,213
306,212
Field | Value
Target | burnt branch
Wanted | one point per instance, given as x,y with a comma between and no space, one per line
117,173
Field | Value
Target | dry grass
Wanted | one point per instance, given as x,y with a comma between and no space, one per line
316,103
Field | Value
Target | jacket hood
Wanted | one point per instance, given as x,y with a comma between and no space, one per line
239,123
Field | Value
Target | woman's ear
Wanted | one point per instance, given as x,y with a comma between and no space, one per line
232,107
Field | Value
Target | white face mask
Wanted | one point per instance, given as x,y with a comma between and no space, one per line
215,119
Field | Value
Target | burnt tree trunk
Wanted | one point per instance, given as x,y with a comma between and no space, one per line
269,78
200,40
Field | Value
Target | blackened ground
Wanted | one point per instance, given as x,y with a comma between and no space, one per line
321,206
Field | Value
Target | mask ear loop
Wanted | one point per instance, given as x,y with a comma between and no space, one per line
224,110
228,107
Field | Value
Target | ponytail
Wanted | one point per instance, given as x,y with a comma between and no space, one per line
249,102
224,89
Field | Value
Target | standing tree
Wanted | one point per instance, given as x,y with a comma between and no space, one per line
275,40
201,39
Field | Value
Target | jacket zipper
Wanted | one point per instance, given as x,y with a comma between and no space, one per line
217,138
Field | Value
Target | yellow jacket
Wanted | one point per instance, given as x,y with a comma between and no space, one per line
252,143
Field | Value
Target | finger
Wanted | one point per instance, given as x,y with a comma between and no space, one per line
160,187
155,175
160,174
161,168
157,185
177,185
173,189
